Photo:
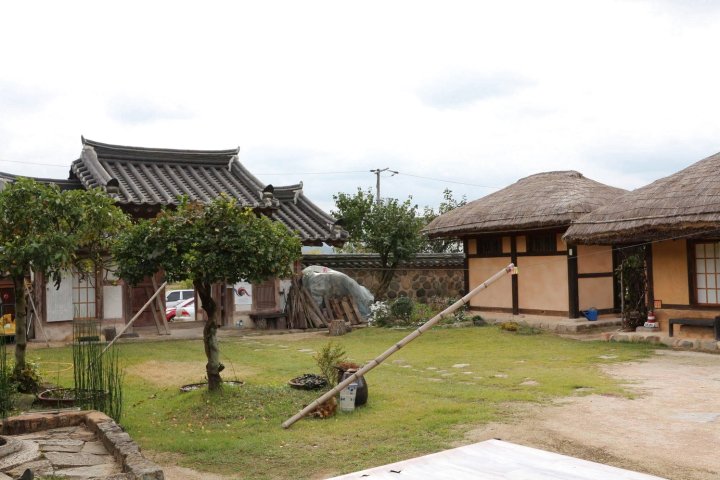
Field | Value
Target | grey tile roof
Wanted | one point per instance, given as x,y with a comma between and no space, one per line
450,261
137,176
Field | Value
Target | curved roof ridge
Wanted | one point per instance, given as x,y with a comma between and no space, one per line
110,146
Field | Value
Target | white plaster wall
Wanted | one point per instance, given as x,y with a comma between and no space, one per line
59,302
112,301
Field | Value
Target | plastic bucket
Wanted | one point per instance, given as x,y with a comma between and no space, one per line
347,397
591,314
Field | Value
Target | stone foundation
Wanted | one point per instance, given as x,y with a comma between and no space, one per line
64,431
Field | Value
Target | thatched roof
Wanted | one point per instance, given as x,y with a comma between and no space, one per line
544,200
686,203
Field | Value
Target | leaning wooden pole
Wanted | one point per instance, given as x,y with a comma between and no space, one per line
377,361
157,292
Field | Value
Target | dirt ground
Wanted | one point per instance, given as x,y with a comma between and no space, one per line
671,428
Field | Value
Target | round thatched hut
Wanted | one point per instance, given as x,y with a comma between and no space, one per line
524,223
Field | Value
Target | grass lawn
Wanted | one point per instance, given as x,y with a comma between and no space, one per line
418,402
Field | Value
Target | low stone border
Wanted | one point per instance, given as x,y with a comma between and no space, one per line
705,345
118,442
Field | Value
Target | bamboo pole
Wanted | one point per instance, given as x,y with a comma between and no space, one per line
134,318
377,361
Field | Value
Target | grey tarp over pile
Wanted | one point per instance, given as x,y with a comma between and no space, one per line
325,282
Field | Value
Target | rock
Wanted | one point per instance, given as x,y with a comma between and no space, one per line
530,383
56,445
94,471
63,459
28,453
95,448
461,365
38,467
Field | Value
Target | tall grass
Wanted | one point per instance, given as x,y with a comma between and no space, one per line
98,377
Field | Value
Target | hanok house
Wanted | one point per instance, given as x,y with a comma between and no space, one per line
677,222
142,181
524,224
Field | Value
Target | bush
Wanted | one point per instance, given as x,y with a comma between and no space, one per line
402,309
380,314
330,355
478,321
509,326
27,380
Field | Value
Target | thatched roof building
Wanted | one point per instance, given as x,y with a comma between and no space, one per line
686,203
541,201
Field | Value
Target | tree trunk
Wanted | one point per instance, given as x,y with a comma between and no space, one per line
386,276
212,349
20,325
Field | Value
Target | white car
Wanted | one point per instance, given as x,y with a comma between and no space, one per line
175,297
185,311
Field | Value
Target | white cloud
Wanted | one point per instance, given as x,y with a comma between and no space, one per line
476,92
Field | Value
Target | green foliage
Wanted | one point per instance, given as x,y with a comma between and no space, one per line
443,245
389,228
509,326
632,278
327,358
98,377
51,231
402,308
217,242
26,379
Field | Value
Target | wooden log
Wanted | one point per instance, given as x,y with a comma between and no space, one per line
354,306
347,310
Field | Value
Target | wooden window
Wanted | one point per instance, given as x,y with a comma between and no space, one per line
489,246
84,303
707,273
541,243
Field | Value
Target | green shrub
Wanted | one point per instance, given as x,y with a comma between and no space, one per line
330,355
402,309
478,321
510,326
27,380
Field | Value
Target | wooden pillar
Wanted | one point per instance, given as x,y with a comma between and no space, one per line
466,267
573,294
514,278
649,273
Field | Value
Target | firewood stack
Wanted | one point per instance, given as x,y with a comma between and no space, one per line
304,313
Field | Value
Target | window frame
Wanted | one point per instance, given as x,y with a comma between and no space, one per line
695,274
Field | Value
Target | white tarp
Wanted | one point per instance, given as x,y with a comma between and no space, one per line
325,282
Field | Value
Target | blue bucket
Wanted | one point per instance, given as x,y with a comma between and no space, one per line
591,314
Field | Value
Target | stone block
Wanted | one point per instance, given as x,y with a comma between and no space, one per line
65,460
94,471
708,345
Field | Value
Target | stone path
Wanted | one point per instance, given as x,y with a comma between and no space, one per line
69,452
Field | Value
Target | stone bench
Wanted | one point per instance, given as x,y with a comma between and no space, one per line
696,322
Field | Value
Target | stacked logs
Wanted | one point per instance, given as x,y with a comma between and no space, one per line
304,313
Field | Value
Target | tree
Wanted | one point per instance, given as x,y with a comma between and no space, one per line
208,243
48,231
389,228
443,245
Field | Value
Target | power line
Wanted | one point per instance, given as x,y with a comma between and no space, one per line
34,163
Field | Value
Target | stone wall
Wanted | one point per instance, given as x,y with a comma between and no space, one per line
427,275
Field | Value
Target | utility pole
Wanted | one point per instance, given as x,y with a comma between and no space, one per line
377,173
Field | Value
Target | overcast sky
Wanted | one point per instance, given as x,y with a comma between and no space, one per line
476,93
